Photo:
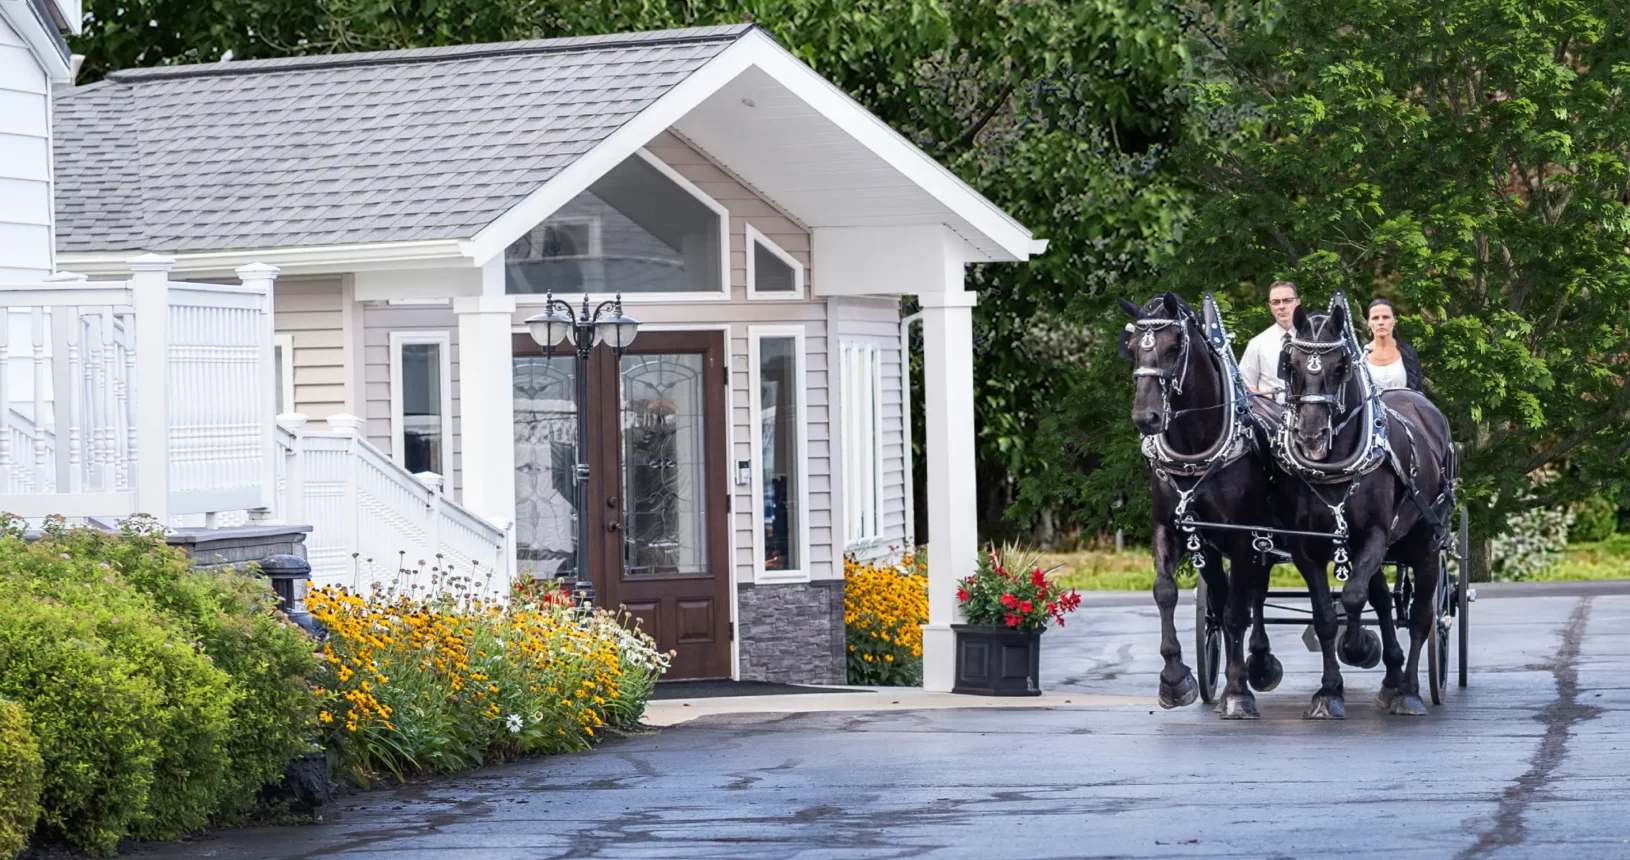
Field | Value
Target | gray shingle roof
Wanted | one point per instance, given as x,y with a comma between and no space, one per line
385,146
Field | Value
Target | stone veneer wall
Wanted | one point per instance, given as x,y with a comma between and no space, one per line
793,633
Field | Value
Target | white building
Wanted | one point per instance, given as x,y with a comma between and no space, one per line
759,224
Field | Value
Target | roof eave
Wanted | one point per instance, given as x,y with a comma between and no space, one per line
309,260
1008,240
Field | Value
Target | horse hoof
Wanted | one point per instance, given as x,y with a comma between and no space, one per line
1181,694
1385,698
1407,705
1366,655
1326,708
1263,672
1238,706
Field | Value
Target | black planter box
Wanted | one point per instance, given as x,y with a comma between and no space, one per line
997,661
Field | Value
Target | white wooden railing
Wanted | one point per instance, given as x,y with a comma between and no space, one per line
137,396
371,518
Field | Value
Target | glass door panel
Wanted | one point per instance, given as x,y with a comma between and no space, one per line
664,465
545,455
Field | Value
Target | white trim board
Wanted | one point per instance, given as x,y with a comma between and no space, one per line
443,339
755,335
754,237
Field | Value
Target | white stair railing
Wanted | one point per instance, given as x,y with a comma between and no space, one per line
371,518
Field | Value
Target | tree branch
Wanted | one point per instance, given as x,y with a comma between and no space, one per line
1612,414
989,114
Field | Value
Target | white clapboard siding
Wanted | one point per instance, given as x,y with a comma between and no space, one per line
25,162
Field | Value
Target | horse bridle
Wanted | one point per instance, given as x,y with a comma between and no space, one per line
1170,381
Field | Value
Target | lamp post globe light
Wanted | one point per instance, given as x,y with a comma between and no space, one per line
607,324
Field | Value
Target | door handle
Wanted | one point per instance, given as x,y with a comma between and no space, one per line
614,526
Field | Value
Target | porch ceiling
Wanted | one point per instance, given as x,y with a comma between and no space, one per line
817,170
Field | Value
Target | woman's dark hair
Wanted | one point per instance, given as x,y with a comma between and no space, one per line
1375,302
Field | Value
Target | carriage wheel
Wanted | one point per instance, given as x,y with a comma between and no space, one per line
1437,642
1207,644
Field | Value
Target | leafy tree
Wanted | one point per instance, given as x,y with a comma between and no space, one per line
1058,110
1469,159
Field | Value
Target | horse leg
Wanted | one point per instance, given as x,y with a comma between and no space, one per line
1237,701
1391,653
1360,647
1177,685
1262,669
1329,702
1422,559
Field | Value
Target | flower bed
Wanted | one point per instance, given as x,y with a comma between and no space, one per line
884,608
442,683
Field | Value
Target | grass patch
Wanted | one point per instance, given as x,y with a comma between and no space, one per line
1134,569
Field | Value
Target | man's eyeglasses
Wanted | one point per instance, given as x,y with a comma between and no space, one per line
1279,303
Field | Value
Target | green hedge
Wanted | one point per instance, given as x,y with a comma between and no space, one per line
20,773
162,699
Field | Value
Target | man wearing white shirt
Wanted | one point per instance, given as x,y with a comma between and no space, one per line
1260,365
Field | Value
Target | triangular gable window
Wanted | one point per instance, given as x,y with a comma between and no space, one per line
640,228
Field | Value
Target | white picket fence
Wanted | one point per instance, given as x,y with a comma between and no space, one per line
371,519
138,396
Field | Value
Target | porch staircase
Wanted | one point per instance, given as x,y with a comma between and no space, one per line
374,522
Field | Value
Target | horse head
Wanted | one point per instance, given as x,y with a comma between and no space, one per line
1158,342
1318,364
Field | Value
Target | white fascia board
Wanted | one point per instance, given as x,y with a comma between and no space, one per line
23,19
755,49
320,259
621,144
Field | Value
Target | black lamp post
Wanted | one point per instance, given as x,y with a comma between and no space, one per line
606,324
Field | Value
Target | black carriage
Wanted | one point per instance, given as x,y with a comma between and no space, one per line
1451,605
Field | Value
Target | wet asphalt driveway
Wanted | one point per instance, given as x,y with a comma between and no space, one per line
1529,761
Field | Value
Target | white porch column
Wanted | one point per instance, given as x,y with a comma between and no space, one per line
487,405
150,394
953,511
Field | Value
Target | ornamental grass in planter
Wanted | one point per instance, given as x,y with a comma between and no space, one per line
439,679
1007,603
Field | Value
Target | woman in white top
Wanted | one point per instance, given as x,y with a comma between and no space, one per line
1393,363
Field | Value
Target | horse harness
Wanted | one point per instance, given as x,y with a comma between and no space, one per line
1374,448
1185,473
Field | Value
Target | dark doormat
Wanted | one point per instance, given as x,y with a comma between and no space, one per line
718,688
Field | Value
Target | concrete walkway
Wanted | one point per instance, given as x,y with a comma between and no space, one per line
1529,761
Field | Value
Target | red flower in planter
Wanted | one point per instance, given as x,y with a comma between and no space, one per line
993,596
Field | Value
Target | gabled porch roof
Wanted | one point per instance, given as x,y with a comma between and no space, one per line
448,153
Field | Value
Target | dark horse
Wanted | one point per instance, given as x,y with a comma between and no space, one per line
1378,470
1209,460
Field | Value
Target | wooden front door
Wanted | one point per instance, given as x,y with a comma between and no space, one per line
657,490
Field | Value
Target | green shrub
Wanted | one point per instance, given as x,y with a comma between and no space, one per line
163,699
1595,519
233,618
94,715
20,772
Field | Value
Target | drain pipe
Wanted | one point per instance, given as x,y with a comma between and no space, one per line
905,413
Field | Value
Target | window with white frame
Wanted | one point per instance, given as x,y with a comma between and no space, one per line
421,401
283,362
772,273
780,479
639,228
862,403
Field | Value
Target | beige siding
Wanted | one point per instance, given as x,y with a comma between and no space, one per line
25,162
877,321
379,319
310,310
